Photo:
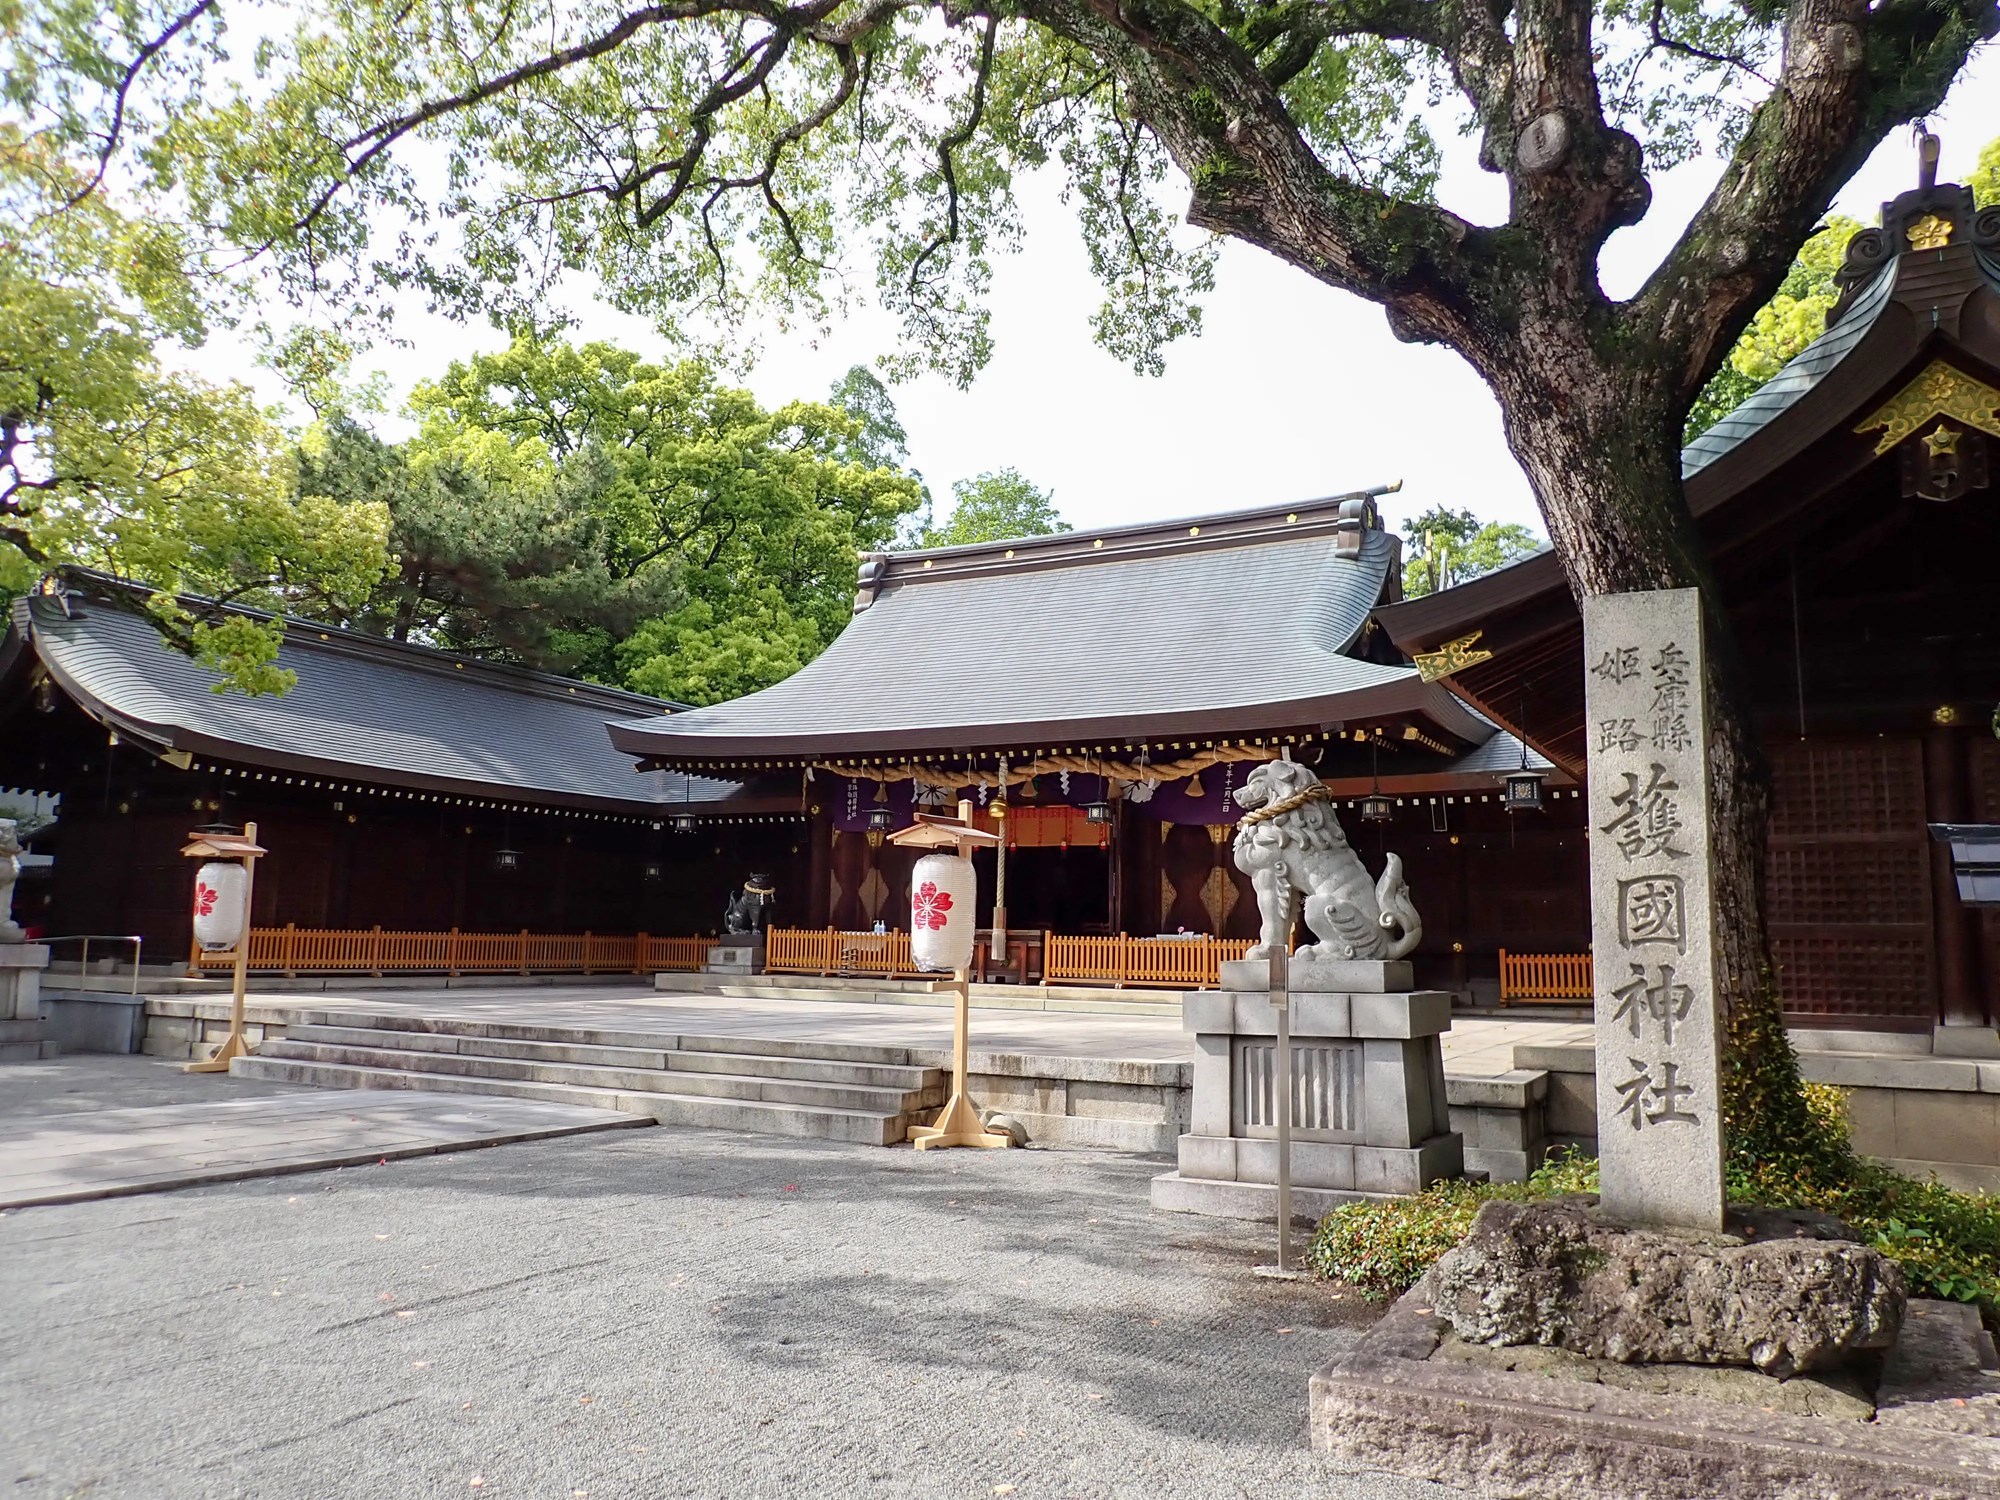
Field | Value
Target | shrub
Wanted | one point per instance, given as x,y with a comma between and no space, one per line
1947,1241
1382,1246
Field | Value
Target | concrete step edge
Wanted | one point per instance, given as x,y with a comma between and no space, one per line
865,1126
749,1086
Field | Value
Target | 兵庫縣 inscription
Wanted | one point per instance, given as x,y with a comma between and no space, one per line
1663,1000
1647,820
1649,1100
1653,909
1672,680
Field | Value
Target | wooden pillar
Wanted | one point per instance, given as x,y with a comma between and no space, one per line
1945,801
819,870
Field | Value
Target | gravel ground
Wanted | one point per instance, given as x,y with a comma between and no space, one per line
662,1313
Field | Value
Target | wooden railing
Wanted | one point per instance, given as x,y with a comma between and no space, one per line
829,951
321,950
1544,976
1182,963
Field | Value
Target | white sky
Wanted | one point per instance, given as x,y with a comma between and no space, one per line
1293,390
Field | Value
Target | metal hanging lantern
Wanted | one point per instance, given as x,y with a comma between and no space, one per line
1098,809
880,819
942,912
506,861
1376,808
652,870
1523,791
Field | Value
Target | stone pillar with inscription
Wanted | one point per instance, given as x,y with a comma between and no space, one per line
1659,1129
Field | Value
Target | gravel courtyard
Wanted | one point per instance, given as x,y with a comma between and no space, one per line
660,1313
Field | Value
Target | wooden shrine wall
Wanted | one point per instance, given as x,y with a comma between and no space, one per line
1985,786
1848,887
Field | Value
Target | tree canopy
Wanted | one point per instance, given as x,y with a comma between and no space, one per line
112,461
993,507
1448,546
583,509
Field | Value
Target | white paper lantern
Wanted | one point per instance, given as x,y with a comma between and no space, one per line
219,916
942,912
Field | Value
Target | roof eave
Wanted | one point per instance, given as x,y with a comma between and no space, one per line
1405,694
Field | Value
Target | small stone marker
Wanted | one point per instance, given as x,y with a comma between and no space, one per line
1659,1122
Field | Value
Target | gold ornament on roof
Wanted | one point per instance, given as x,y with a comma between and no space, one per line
1942,440
1940,391
1929,233
1452,656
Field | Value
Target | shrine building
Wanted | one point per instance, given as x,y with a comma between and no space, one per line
398,788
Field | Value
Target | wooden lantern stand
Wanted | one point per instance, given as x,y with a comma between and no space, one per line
960,1124
242,847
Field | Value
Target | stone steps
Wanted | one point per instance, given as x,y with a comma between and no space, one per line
769,1086
840,989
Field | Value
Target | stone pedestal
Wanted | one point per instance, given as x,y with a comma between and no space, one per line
23,1029
1368,1094
738,954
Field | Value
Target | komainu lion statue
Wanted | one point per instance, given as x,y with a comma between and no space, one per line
1290,844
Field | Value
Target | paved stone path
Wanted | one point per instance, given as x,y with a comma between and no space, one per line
78,1154
663,1313
1475,1044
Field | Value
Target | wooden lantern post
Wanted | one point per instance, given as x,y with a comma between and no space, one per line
242,847
960,1124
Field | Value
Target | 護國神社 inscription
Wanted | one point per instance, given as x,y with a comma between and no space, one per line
1659,1126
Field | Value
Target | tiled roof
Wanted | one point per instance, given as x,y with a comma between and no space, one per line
1231,623
364,708
1799,376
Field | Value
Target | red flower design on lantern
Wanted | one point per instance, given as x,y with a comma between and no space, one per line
929,906
204,899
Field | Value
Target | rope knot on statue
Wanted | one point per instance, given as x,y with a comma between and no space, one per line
1314,793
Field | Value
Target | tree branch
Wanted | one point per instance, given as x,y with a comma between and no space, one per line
122,91
1850,75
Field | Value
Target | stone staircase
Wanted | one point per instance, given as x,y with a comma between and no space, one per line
775,1086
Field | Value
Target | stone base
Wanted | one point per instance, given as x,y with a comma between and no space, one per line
1310,974
1175,1194
1337,1166
23,1029
737,955
96,1021
1523,1424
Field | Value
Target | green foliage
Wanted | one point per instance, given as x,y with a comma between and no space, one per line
1382,1246
1783,326
111,461
1947,1241
1797,314
1449,546
993,507
751,518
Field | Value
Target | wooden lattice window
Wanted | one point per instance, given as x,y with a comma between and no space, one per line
1848,891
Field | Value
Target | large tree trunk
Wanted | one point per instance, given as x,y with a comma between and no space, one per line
1601,447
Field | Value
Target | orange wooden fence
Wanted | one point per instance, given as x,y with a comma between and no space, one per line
1182,963
805,950
322,950
1544,976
